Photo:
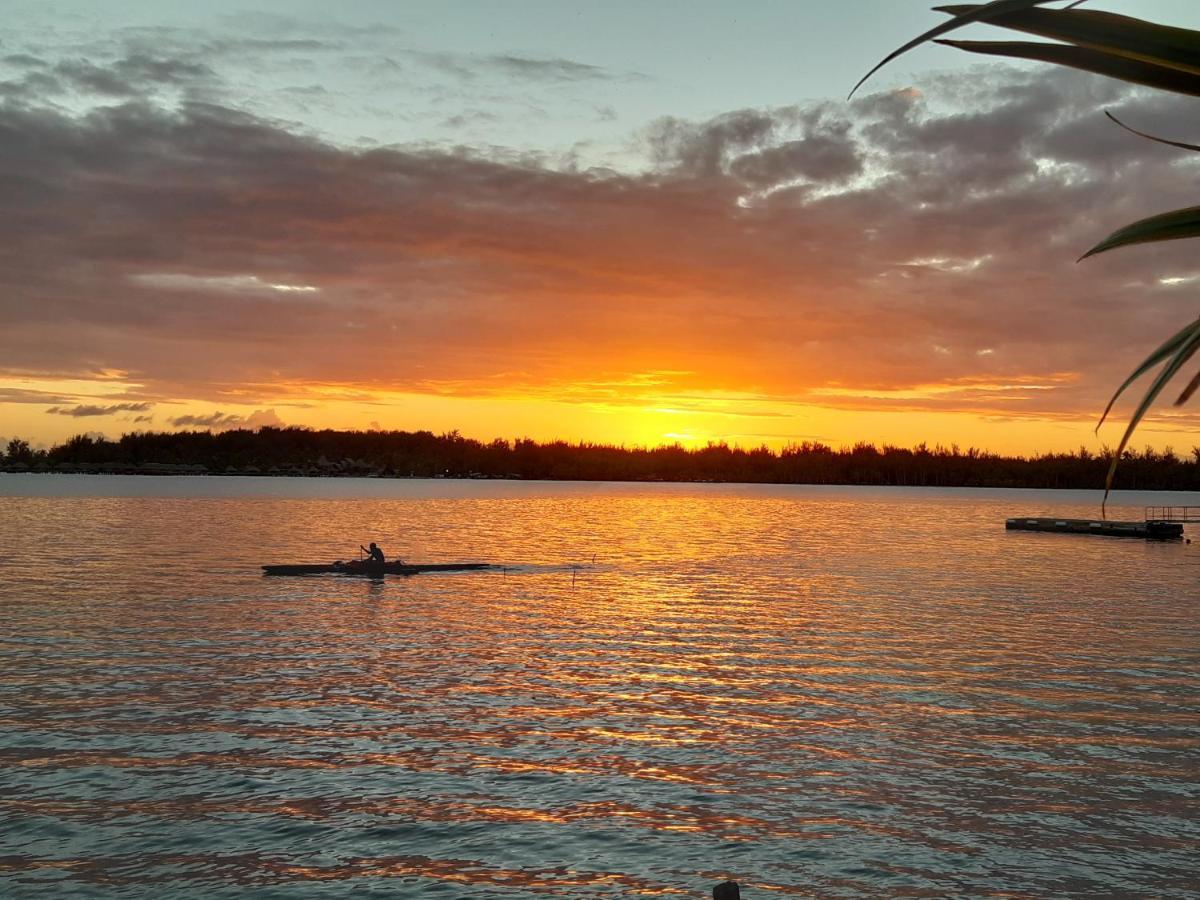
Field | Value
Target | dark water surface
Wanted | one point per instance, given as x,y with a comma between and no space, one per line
829,692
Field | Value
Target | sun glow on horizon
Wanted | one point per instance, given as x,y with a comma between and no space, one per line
639,410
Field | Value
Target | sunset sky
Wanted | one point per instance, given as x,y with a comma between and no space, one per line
636,223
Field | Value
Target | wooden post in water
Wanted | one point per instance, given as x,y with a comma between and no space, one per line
727,890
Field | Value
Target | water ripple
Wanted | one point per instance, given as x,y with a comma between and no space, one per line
821,693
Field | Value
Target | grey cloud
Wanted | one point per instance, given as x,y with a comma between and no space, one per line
1091,139
937,227
285,28
762,148
214,420
127,76
21,395
23,60
469,66
703,150
555,69
820,158
886,107
219,421
469,118
31,86
87,411
309,91
237,40
239,46
85,75
159,70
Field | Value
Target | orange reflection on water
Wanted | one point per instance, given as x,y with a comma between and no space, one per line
742,669
472,872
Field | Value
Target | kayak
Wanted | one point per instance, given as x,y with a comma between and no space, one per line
372,569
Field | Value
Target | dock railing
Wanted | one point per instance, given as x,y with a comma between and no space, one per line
1180,514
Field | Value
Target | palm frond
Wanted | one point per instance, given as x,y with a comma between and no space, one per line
1170,346
1172,226
1150,137
1189,390
1113,65
1161,45
1185,351
982,13
1134,51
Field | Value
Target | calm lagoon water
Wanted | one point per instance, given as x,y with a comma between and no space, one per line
819,692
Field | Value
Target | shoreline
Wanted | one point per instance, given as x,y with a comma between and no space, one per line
166,471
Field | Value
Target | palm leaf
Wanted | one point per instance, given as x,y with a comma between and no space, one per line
1175,48
1180,144
1170,346
979,14
1189,390
1185,352
1119,47
1182,223
1097,61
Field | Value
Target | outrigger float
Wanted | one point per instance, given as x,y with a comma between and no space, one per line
372,569
1162,523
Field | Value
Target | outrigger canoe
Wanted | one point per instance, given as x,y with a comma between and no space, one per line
372,569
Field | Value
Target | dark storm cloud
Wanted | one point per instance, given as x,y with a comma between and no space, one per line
897,242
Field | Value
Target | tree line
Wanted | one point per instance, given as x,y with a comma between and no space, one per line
422,454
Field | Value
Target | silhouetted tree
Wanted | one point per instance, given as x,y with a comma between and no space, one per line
18,452
301,451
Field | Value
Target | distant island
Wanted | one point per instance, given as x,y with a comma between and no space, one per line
297,452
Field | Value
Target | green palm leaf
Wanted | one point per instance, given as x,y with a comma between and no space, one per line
1172,226
1180,144
1170,346
1185,352
1097,61
1177,48
1119,47
1189,390
979,14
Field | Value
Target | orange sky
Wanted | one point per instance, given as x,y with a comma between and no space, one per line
897,269
647,412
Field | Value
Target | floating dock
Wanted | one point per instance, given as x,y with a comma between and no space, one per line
1148,530
1162,523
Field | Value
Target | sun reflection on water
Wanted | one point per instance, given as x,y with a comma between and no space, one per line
663,687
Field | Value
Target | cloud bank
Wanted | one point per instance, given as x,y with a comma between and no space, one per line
911,250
